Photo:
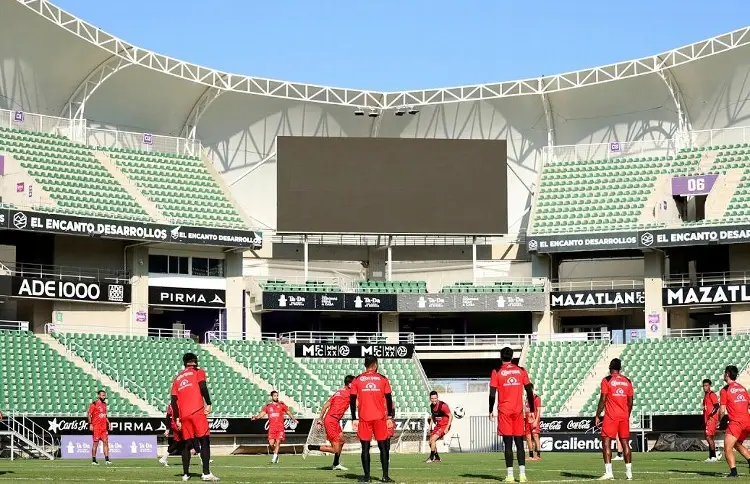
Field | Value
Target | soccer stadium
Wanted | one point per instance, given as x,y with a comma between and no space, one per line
283,232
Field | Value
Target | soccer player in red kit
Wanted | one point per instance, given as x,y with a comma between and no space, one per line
531,428
710,418
441,419
734,401
330,419
99,424
376,413
191,404
616,400
508,383
276,412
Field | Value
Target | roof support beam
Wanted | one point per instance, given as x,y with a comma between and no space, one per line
684,126
190,126
75,107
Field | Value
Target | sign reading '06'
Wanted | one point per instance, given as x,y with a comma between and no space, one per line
322,350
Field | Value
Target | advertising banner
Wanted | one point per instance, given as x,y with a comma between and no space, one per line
471,302
72,425
68,289
181,296
335,350
311,301
120,447
706,295
128,230
581,443
610,299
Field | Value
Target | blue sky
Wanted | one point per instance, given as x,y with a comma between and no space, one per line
409,44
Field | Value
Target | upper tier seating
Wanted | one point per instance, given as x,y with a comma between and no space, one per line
271,362
309,286
667,374
734,157
601,195
392,287
38,380
504,286
409,391
152,364
72,176
556,368
181,187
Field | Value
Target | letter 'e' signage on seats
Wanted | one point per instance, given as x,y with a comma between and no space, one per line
70,290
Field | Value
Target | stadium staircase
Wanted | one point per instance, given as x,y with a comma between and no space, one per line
197,199
248,369
16,174
95,370
26,438
591,382
129,186
148,366
37,380
667,373
557,368
227,191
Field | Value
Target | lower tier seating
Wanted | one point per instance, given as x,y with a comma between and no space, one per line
38,380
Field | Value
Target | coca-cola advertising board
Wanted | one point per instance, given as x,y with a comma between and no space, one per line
573,425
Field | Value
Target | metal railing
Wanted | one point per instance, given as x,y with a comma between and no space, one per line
343,283
25,269
399,240
723,330
11,325
459,385
211,336
470,339
707,278
345,337
53,329
609,150
583,336
596,284
38,436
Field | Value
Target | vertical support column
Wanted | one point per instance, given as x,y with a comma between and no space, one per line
389,327
655,316
544,322
739,261
389,262
235,293
136,258
474,260
305,250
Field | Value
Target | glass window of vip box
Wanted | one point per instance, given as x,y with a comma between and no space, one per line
202,266
163,264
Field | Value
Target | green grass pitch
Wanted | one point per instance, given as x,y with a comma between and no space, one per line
455,468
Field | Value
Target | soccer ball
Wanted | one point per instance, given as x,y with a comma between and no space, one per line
458,412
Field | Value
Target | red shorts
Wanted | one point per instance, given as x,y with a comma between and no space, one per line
510,425
613,429
530,429
100,434
439,431
333,430
194,426
711,425
740,430
275,434
372,428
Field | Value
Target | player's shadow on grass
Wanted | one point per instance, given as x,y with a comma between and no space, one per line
486,477
685,459
578,475
351,476
699,473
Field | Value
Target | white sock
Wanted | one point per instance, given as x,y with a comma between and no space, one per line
608,469
629,470
510,472
521,470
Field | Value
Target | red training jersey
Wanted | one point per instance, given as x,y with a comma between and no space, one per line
537,404
371,388
339,402
616,389
185,388
170,416
509,380
710,400
440,413
735,398
275,412
98,414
